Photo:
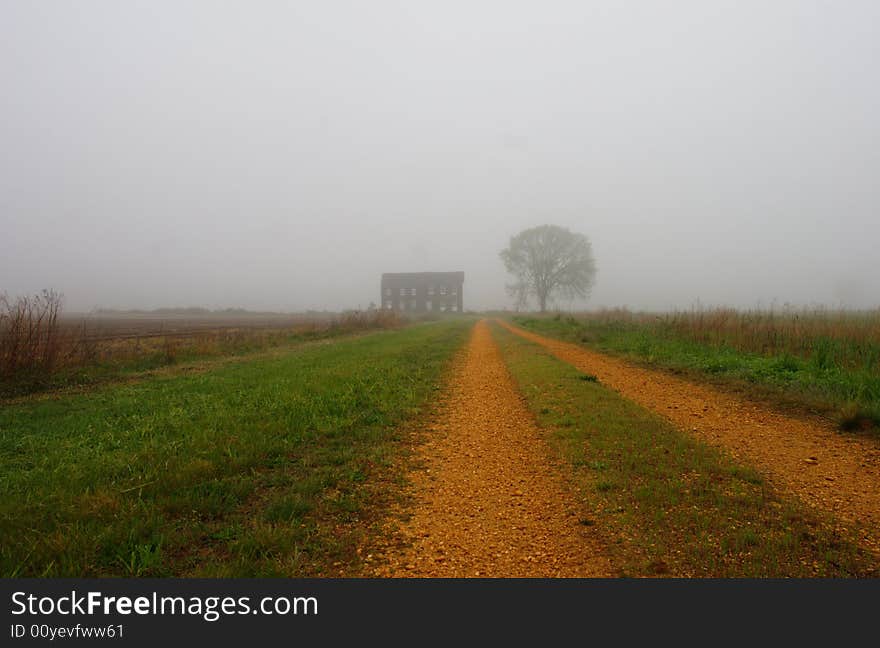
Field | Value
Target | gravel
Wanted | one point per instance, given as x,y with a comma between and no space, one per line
488,499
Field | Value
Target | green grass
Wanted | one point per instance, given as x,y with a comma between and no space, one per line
269,466
829,379
664,502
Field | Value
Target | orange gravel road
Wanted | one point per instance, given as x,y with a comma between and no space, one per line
488,499
833,472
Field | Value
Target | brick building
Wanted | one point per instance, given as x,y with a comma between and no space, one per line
423,292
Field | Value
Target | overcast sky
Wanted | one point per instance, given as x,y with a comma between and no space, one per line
282,155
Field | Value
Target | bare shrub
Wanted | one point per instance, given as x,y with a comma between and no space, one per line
29,333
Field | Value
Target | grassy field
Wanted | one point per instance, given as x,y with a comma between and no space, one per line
270,466
40,353
824,362
666,503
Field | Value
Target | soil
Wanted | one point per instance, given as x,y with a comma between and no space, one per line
831,471
487,498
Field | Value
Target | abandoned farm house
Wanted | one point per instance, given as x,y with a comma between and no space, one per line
423,292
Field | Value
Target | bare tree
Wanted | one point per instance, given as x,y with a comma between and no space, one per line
520,294
546,260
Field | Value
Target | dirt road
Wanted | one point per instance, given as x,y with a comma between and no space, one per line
833,472
488,499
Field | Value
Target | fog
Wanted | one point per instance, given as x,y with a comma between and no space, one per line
282,155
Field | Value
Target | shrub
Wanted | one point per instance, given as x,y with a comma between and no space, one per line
29,333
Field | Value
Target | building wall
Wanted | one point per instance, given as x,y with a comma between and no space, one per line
421,292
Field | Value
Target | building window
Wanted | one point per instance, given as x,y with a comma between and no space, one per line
453,308
455,291
388,304
442,290
429,305
412,304
431,290
402,292
388,292
412,291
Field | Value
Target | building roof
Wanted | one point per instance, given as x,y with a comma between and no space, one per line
430,276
